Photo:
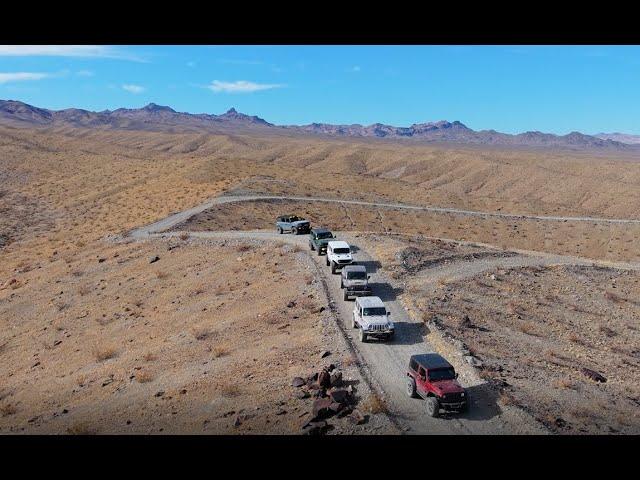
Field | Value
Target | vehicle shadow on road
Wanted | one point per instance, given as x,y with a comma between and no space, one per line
408,333
386,292
371,265
484,404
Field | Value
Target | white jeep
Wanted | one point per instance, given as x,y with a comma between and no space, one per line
372,318
338,255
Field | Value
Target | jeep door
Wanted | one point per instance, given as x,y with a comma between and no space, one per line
421,380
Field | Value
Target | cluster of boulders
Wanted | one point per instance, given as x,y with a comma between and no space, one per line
330,399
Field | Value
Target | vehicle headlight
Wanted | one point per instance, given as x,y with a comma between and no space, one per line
462,394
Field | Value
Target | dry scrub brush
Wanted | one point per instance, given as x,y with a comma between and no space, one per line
104,352
374,404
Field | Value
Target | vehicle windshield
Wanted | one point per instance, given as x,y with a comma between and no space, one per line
357,275
368,312
341,250
324,235
442,374
294,219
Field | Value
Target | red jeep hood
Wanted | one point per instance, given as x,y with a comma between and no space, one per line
447,386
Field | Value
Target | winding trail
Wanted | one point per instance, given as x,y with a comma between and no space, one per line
181,216
385,364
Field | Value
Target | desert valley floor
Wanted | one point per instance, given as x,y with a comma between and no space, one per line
528,263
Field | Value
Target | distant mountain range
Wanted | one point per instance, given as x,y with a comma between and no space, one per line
157,117
620,137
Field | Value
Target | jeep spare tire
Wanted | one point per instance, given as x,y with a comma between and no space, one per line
433,406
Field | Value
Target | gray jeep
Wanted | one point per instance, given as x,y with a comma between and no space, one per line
293,224
355,281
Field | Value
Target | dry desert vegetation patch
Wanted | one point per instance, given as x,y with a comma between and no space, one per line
539,331
186,351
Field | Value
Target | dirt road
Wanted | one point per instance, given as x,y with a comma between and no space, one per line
182,216
384,364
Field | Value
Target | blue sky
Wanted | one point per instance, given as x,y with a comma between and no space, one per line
506,88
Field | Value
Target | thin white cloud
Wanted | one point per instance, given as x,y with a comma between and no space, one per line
81,51
133,88
191,64
85,73
355,69
241,62
21,76
240,86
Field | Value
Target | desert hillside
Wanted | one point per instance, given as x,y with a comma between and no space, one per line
90,323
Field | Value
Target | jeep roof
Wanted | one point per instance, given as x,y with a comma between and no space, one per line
339,244
430,360
354,268
368,302
320,230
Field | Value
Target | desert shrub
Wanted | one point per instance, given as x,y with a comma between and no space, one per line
607,331
574,338
201,333
507,398
564,383
144,376
374,404
613,297
104,352
161,275
220,351
149,357
8,409
229,390
81,428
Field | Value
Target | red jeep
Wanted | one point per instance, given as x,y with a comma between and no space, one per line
433,378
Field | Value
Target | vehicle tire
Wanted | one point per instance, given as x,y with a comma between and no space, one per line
327,261
345,296
390,336
465,407
341,284
433,406
311,246
319,252
280,230
411,387
363,336
333,267
353,321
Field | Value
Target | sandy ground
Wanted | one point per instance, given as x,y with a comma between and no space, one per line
534,327
187,344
